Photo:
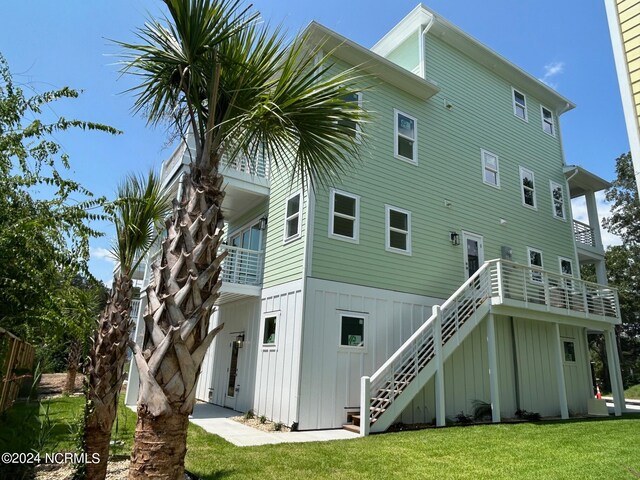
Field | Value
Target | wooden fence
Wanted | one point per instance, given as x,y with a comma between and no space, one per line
16,364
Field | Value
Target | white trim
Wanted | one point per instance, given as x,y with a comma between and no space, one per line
286,239
564,340
269,346
553,184
353,348
515,110
333,214
552,122
396,133
541,266
483,154
465,254
522,187
387,231
566,259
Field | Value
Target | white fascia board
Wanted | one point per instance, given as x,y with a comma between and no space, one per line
414,20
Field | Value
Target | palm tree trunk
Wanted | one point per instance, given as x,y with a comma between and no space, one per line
180,301
105,374
73,360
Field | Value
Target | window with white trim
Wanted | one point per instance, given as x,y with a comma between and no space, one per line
557,200
352,330
293,217
548,123
535,260
355,97
490,170
269,330
344,216
569,350
520,105
566,270
528,186
406,137
398,230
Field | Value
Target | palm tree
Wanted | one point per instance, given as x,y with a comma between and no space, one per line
211,69
137,213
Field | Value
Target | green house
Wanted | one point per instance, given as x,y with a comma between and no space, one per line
443,270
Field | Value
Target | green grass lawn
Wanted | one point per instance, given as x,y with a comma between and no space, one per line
632,392
577,449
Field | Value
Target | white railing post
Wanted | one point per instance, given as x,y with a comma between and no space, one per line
499,280
365,406
439,377
494,386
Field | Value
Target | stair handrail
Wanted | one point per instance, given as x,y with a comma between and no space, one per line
407,344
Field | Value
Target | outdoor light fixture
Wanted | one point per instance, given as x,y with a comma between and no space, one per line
263,223
455,238
240,340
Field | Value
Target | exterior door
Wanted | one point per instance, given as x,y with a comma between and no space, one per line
473,251
233,386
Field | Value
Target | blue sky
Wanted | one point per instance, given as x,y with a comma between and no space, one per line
53,44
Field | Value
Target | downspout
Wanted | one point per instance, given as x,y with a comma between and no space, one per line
421,46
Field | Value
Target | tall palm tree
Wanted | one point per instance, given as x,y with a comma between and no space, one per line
211,69
137,213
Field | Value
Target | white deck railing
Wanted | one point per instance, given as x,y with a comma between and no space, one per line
497,281
584,233
242,266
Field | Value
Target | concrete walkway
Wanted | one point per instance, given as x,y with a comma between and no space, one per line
217,420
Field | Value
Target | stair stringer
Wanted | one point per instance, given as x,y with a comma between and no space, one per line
403,400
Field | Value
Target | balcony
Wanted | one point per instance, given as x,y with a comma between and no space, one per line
584,234
241,274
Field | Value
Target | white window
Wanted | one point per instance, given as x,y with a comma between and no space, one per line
548,123
269,329
406,137
520,105
344,216
490,173
569,348
398,230
528,186
355,127
535,260
293,217
352,330
557,200
566,270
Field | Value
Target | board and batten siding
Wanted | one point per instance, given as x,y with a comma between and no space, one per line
330,378
242,316
278,368
284,261
445,191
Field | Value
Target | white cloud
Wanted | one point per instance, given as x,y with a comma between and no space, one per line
552,70
102,254
579,208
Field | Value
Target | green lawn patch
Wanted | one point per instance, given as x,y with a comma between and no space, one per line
593,448
632,392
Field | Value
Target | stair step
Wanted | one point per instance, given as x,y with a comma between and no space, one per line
355,420
377,409
351,427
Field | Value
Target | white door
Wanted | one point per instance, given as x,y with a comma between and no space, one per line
233,385
473,252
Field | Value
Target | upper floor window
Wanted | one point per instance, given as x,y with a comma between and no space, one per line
566,269
557,199
490,174
293,217
344,217
406,137
398,230
355,127
535,260
548,123
528,185
520,105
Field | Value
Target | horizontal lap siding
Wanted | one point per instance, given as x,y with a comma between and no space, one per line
449,169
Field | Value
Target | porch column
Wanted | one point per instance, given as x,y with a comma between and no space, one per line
562,389
439,377
594,221
601,273
493,369
614,369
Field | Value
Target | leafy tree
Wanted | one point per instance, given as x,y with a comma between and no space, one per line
137,214
44,226
211,68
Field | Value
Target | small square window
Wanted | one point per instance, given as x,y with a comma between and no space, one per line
406,137
520,105
528,185
269,333
398,235
557,200
490,169
292,217
351,331
569,351
548,123
344,216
